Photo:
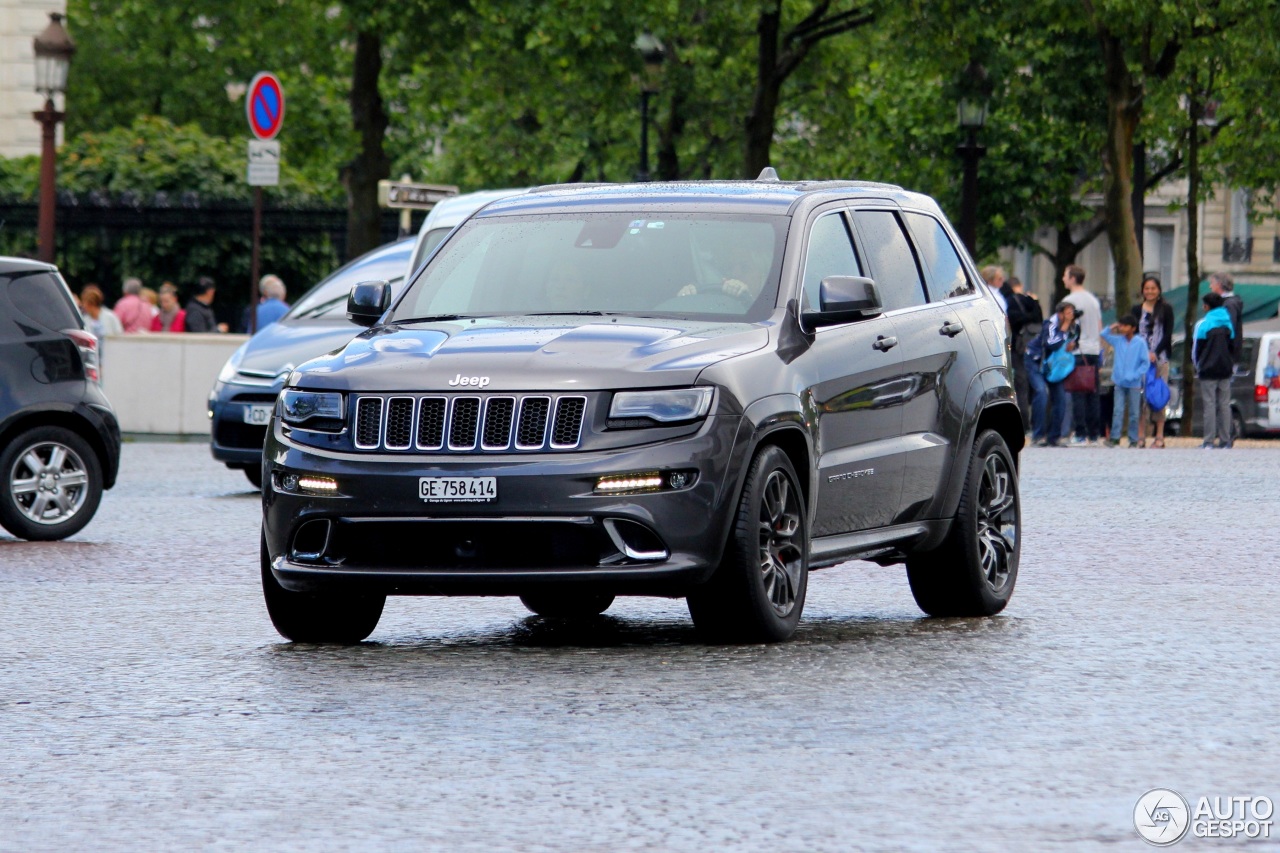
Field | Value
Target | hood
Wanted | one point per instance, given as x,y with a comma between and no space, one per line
284,345
531,354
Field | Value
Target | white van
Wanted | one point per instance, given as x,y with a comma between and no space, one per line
444,217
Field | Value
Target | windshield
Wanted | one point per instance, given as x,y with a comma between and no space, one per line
328,299
652,264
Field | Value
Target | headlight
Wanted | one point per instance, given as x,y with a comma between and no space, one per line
230,369
312,409
668,406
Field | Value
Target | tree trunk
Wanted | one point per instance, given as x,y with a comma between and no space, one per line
371,164
1194,112
764,102
1124,108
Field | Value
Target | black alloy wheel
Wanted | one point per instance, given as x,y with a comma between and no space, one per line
974,571
314,617
757,593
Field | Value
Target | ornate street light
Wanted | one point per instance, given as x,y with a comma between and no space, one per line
975,92
53,50
653,54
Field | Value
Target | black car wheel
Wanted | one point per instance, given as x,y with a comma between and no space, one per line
1237,424
254,473
757,593
50,484
311,617
567,605
974,571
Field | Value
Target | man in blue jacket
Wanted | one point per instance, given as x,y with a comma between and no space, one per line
1128,371
1213,351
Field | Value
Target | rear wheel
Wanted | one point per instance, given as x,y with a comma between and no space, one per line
312,617
757,593
974,571
567,605
1237,424
50,484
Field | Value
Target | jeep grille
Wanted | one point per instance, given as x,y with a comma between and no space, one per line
469,423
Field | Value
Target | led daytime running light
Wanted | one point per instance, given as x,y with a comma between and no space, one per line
628,482
318,484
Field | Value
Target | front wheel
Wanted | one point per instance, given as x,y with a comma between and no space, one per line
974,571
567,605
312,617
757,593
50,484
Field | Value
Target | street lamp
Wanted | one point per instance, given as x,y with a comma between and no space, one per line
53,49
653,54
972,113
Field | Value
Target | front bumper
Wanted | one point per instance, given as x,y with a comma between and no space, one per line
546,526
232,439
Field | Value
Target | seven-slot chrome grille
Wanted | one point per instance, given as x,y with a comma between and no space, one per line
468,423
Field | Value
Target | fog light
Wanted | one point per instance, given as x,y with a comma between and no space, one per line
678,479
290,482
615,483
323,485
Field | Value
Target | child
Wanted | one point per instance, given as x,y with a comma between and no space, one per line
1128,371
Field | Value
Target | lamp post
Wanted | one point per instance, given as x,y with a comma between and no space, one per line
652,53
53,50
972,114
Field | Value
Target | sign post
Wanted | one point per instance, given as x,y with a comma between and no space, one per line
264,107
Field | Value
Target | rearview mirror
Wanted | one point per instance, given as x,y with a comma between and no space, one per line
368,301
843,298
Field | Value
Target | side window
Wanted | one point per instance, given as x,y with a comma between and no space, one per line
44,298
830,253
939,256
892,262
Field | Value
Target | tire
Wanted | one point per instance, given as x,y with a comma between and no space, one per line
50,484
757,592
1237,425
312,617
974,571
567,605
254,473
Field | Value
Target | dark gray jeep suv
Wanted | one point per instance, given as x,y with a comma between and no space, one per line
699,390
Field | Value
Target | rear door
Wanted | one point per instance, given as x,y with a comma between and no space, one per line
928,295
852,377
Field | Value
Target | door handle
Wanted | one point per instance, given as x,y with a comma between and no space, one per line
884,344
951,328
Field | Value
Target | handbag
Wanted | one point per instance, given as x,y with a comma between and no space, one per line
1155,389
1058,365
1083,379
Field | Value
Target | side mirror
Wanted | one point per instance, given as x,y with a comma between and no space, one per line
368,301
842,298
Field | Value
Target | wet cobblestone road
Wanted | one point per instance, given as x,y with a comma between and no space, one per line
146,701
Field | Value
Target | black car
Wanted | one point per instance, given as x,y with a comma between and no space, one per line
59,438
245,392
698,390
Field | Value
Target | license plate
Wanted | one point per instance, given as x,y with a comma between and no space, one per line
458,489
259,414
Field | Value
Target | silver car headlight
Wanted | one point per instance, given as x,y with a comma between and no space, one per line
313,410
671,405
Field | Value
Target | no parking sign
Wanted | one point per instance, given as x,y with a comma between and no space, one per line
265,105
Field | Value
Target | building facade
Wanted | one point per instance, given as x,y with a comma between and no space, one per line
20,22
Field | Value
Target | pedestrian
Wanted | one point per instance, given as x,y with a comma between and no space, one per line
170,317
99,319
1155,324
132,310
1025,320
273,306
200,316
994,277
1049,399
1211,350
1224,285
1128,370
1086,405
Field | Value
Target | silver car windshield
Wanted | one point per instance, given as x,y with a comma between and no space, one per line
693,265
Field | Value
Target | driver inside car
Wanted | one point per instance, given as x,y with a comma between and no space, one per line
747,273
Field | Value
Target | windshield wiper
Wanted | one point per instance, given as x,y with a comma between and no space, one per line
432,318
569,314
